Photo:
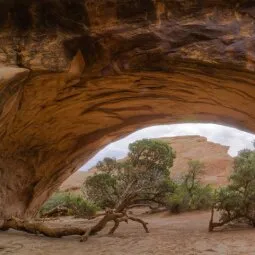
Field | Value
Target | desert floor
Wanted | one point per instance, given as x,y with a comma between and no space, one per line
179,234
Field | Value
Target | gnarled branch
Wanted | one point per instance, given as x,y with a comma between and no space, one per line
39,227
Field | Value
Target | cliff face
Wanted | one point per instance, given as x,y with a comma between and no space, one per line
126,35
218,163
78,74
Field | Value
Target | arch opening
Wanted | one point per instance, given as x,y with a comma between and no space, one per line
59,125
149,67
233,138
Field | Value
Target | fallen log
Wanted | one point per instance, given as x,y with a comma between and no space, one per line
35,227
39,227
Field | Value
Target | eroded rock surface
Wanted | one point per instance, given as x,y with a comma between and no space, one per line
218,164
134,63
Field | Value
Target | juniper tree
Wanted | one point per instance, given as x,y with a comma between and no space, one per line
143,175
237,200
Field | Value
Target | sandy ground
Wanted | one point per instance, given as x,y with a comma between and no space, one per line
181,234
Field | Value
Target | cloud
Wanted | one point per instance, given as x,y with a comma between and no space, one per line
231,137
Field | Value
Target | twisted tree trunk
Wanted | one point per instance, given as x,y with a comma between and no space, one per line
39,227
213,225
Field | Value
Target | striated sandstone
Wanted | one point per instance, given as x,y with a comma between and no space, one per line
218,163
99,70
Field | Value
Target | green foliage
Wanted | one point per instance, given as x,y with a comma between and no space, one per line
151,155
144,175
191,178
101,188
202,197
76,204
179,200
108,165
189,193
237,200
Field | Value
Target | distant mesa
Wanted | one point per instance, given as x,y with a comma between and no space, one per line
218,163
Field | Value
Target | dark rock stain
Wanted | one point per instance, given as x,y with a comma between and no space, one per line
89,46
131,11
183,7
189,7
21,15
67,15
144,42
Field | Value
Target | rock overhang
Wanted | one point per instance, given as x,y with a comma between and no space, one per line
94,71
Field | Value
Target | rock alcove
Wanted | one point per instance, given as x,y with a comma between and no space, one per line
76,75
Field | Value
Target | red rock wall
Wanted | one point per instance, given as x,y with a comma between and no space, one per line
138,63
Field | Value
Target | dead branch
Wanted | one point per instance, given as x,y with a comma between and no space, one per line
117,223
45,219
85,236
213,225
57,211
96,216
39,227
140,221
35,227
210,229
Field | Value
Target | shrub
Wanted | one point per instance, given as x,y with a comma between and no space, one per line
75,204
202,197
143,176
237,200
190,193
178,201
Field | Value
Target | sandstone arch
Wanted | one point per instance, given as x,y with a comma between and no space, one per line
135,63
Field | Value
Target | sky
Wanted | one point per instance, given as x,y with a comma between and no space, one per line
231,137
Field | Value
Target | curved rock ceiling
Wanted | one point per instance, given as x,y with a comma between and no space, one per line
76,75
